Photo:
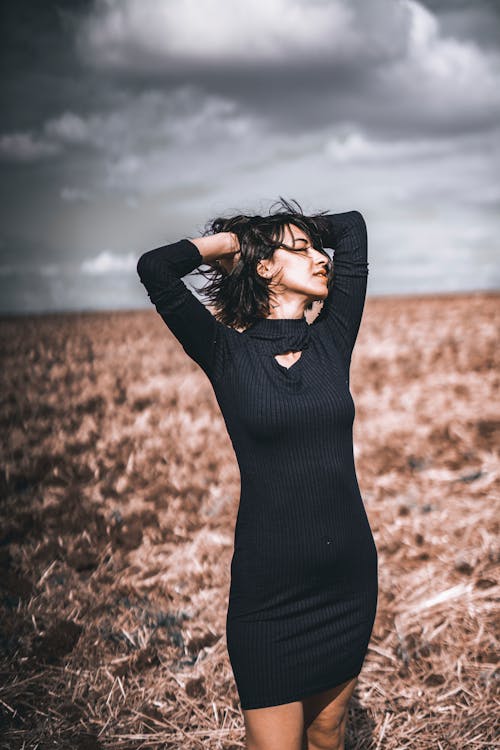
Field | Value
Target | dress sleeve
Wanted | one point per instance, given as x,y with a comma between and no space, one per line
343,308
199,332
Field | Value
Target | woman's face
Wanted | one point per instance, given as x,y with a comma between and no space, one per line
301,268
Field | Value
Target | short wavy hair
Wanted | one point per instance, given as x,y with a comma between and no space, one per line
241,296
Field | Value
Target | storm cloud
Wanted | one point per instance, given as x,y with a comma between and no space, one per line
129,123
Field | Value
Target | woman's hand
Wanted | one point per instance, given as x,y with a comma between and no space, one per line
219,250
228,260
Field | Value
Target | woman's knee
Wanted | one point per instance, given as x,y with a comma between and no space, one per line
328,735
326,716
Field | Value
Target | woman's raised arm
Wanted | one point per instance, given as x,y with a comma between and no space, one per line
161,270
343,308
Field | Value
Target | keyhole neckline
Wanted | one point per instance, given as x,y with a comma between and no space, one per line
273,336
289,367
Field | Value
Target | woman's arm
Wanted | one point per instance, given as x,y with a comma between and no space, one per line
161,270
343,308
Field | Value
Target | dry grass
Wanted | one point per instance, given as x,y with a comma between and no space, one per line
119,496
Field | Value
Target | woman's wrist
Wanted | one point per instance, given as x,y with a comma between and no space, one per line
214,246
234,241
219,250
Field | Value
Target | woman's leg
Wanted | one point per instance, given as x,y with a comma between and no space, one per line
325,716
275,728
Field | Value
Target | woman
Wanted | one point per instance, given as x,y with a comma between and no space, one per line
303,591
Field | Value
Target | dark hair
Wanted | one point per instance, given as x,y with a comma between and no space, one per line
240,296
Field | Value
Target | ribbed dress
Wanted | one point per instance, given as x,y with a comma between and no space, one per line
304,578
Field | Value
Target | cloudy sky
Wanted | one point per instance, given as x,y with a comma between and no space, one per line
127,124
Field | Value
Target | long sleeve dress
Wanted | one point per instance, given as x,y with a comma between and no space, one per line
304,583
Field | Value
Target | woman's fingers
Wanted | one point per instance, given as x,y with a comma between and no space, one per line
227,262
235,244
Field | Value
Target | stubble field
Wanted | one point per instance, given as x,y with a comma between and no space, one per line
119,493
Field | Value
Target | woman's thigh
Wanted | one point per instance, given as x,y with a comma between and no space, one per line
275,727
318,715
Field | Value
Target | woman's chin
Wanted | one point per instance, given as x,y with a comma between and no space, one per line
320,297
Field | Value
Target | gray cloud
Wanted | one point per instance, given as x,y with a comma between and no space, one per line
125,121
477,21
375,62
144,35
24,147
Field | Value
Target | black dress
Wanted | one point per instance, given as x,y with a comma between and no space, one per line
303,593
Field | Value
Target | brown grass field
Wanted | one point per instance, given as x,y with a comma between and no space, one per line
120,489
